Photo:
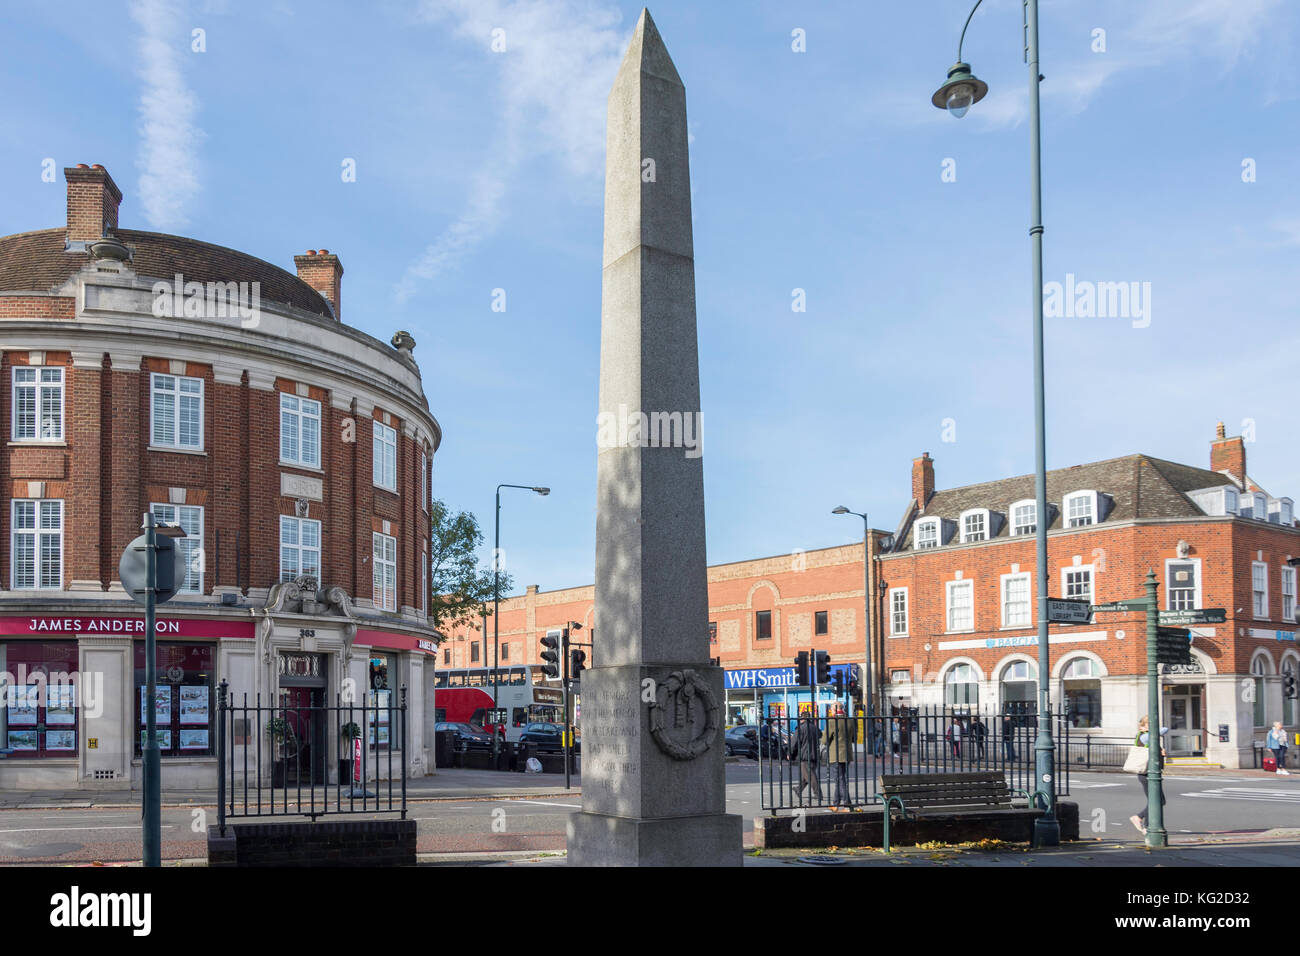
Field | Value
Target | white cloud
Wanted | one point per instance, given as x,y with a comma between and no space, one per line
559,60
169,136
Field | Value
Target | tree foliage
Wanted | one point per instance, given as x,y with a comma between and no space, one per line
461,590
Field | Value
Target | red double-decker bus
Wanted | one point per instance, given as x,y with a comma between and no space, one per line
465,696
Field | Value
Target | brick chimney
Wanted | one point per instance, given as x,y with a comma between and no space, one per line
324,273
93,199
922,480
1229,455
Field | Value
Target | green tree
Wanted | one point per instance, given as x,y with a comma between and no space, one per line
461,590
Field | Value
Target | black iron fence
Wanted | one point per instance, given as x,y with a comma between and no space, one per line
830,761
309,759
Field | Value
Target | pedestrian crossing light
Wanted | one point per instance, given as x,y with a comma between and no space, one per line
823,667
1288,684
551,656
577,663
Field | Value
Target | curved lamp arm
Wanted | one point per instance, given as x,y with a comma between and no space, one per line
963,29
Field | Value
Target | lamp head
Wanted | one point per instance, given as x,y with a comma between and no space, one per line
542,491
840,510
962,91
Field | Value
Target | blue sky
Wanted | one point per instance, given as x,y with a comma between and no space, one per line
819,170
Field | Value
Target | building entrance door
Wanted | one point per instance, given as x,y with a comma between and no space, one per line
1182,715
304,745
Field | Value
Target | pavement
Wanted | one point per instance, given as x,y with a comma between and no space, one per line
446,784
1274,848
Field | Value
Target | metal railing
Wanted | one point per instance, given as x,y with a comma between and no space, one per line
274,760
919,740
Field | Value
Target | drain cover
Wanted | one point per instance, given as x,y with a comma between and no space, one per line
823,860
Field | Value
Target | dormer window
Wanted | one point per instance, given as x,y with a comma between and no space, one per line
1279,511
1258,506
974,525
1023,517
927,534
1230,501
1080,509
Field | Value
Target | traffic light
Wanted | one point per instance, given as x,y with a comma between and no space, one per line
577,663
823,667
855,690
1288,684
837,683
551,656
801,669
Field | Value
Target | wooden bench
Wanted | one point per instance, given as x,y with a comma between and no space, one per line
974,791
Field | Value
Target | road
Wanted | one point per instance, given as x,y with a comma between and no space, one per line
1209,804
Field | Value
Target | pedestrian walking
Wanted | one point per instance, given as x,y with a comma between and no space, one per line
1276,742
807,740
841,735
1009,738
979,732
1139,756
953,736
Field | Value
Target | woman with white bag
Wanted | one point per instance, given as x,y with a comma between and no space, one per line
1137,762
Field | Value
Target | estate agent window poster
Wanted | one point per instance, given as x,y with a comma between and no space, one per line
164,739
60,708
22,740
22,707
60,740
162,705
194,706
194,739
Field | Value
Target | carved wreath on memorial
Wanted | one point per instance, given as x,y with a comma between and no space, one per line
674,706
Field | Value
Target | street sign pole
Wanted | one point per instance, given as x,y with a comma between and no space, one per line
152,757
1156,835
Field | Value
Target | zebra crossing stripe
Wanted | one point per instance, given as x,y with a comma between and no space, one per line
1243,793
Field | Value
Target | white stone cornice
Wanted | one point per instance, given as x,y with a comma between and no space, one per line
224,373
262,378
125,361
87,359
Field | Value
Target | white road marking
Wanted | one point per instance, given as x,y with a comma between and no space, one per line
539,803
1241,793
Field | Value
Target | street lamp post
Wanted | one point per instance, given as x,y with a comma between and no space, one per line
961,91
867,597
496,586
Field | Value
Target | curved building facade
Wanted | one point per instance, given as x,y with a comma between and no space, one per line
154,373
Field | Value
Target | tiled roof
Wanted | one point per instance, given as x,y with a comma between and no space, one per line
1140,487
37,262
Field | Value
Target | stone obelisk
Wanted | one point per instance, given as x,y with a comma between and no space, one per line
653,773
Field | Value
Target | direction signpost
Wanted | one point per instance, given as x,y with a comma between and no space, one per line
1068,611
1193,615
1173,645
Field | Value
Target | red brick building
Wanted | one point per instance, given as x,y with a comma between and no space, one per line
960,594
953,617
148,372
761,614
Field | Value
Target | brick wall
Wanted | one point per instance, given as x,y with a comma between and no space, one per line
107,476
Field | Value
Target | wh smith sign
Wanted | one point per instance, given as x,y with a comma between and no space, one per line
766,677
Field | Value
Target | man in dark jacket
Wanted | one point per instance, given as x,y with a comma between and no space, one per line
807,739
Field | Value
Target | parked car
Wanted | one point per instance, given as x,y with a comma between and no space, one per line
547,736
742,741
467,738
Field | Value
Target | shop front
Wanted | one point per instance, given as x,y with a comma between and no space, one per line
74,696
754,694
